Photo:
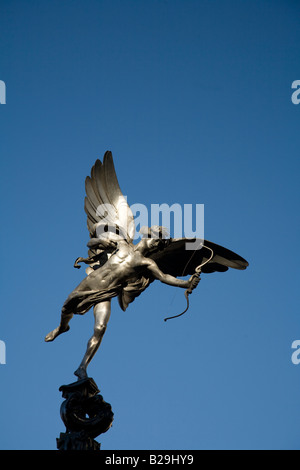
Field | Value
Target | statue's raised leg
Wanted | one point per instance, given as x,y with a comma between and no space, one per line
63,326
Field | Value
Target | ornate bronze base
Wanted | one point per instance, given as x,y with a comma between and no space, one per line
85,415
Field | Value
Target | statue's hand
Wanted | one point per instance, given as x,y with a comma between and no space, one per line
193,282
76,265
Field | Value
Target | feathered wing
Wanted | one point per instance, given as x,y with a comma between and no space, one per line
105,203
176,260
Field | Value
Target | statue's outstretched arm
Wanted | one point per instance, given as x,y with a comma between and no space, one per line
168,279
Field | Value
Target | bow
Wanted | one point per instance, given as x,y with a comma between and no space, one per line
190,289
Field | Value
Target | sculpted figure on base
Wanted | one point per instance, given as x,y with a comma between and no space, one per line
120,268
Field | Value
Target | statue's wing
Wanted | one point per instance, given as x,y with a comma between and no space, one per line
176,260
104,203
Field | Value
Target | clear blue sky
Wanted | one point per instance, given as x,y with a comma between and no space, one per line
194,100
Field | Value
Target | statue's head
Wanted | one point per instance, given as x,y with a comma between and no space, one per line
155,231
155,238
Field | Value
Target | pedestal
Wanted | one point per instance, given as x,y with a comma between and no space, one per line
85,414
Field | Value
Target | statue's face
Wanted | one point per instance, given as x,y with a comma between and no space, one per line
156,244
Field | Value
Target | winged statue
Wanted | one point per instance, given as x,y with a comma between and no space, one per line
118,267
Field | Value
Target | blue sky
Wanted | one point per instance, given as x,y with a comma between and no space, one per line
194,100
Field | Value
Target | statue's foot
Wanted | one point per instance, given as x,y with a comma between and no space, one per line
81,373
53,334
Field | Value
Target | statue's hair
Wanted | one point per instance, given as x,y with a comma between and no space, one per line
155,231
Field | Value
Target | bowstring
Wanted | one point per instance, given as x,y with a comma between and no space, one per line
197,271
176,292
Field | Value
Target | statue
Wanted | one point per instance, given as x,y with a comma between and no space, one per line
119,268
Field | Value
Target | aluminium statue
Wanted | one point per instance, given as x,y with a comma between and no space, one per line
119,268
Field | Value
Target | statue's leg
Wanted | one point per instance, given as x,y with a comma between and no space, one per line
62,327
101,314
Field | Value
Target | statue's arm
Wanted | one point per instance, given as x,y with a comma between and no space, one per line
101,243
166,278
96,243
